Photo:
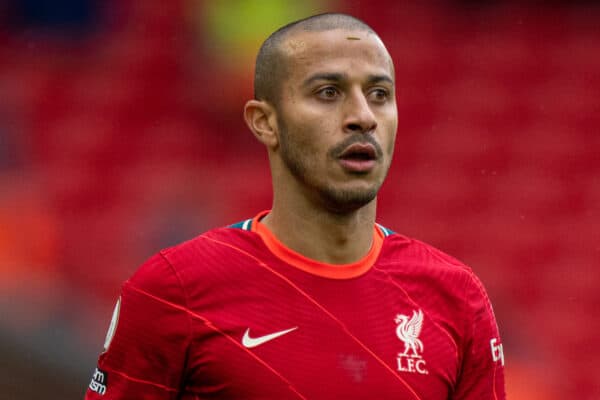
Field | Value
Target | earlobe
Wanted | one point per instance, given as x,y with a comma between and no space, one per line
260,118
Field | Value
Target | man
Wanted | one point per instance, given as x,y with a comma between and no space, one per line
312,299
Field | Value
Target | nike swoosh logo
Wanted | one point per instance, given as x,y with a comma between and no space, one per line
250,342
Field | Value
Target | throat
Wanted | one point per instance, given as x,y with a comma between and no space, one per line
322,236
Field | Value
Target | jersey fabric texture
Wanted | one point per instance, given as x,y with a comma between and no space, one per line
234,314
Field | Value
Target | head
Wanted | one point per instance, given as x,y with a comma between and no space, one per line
325,109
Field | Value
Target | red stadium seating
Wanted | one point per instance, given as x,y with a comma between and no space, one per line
496,160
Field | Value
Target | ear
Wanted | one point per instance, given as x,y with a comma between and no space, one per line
261,119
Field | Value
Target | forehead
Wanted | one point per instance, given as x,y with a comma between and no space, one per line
354,51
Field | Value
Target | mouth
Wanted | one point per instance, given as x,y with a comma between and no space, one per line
359,151
358,157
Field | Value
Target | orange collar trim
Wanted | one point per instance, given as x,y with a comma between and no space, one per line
332,271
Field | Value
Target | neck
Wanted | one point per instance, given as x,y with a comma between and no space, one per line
320,234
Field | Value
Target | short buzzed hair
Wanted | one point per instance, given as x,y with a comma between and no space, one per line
270,64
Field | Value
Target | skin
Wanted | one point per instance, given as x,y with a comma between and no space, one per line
339,91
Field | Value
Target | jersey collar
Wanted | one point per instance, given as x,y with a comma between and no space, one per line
332,271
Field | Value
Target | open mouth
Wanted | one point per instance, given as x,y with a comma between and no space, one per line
359,152
358,158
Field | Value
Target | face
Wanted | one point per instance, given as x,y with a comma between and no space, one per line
337,116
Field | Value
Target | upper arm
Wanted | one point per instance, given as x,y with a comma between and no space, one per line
482,371
146,357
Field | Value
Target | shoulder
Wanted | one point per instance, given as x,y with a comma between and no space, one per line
171,265
214,244
408,256
398,246
205,241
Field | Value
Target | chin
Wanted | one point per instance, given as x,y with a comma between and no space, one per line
347,200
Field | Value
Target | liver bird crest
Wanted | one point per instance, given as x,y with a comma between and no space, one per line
408,331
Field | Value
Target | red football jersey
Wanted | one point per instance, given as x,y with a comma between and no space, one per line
234,314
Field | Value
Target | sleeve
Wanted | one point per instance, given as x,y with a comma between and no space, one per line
482,371
146,346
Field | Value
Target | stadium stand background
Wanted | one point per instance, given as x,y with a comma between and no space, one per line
121,133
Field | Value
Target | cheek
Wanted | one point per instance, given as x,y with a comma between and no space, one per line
313,136
390,134
391,142
308,146
311,130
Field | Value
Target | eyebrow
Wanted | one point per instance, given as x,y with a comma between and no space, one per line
338,77
380,78
327,76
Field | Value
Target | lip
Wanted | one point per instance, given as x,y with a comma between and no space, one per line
357,166
358,158
360,148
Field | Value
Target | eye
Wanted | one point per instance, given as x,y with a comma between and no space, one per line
379,95
328,93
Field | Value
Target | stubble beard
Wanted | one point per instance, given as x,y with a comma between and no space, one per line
336,200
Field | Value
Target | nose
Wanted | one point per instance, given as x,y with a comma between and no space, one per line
359,117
